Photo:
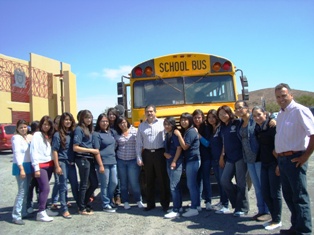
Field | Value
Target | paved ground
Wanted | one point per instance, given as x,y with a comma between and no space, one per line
133,221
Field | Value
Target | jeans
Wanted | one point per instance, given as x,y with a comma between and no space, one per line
271,190
218,173
204,180
254,170
108,183
237,193
20,207
44,187
293,180
191,169
129,173
55,190
175,177
88,180
68,172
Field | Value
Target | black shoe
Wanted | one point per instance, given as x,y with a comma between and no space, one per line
148,208
19,222
165,208
89,208
289,231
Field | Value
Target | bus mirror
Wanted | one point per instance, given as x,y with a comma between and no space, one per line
120,88
245,94
120,101
244,81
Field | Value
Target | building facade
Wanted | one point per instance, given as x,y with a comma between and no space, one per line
34,88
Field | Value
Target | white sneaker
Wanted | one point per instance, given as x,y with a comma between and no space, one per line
191,212
273,226
30,210
42,216
172,215
217,206
267,223
209,206
180,210
223,210
52,213
140,204
109,208
126,206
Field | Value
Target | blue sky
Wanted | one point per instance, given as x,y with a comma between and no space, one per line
271,41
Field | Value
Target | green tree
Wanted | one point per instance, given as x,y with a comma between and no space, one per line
272,107
305,100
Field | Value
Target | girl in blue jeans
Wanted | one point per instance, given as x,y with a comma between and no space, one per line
128,170
104,140
189,141
63,156
232,161
21,169
173,154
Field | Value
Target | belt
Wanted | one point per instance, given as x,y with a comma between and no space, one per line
153,150
84,155
288,153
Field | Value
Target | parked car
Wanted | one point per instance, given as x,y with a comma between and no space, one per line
6,133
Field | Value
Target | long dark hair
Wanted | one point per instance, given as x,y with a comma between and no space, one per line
20,122
118,121
97,128
34,127
87,129
172,122
63,130
189,117
228,110
215,115
201,128
114,112
50,131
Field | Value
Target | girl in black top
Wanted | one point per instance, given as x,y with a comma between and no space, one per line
270,180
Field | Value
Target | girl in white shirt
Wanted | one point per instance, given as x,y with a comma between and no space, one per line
21,169
42,162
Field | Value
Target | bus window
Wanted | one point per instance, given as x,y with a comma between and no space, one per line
159,92
209,89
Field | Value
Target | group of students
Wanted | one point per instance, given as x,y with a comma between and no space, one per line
233,144
70,147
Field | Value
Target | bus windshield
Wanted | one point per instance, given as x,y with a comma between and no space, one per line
183,90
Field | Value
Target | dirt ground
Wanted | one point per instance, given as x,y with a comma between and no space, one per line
135,220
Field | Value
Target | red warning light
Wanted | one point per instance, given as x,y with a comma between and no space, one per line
226,66
138,71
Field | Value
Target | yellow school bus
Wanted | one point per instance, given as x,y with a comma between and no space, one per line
179,83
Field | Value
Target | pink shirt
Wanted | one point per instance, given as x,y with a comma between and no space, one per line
294,126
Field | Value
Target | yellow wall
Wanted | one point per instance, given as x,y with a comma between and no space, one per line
40,106
69,81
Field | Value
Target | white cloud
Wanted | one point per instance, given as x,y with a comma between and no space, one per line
115,74
112,74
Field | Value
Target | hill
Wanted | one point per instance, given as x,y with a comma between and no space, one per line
269,95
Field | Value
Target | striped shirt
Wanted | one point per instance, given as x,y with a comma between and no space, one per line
126,145
150,136
294,126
